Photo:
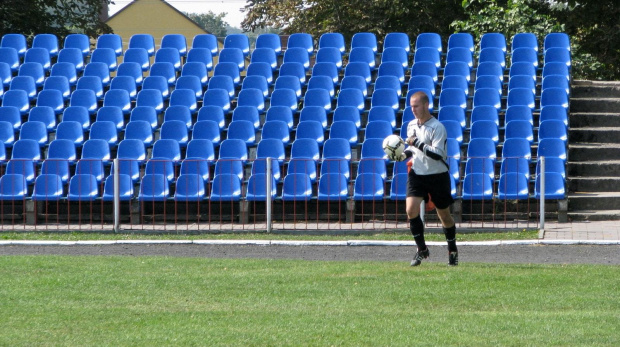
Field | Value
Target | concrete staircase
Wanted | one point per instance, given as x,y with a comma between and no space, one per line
594,151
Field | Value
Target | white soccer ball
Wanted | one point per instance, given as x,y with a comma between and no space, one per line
393,146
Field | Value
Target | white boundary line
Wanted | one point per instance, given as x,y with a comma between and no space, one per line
299,243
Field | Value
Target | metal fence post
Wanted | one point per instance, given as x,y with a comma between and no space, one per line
268,198
117,198
542,193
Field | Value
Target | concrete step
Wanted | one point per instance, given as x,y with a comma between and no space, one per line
594,184
609,105
580,201
592,119
593,168
595,89
594,134
593,215
580,152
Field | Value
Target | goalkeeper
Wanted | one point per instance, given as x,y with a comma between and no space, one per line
428,176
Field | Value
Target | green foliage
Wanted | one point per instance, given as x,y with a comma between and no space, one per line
211,22
59,17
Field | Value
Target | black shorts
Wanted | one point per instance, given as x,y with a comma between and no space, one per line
437,185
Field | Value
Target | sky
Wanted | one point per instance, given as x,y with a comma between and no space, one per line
233,18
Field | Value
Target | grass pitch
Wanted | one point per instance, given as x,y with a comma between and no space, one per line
163,301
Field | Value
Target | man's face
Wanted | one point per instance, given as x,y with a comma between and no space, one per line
417,106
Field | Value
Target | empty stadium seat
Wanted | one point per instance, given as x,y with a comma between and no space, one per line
83,187
297,187
154,187
48,187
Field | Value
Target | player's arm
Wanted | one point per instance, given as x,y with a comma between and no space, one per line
437,148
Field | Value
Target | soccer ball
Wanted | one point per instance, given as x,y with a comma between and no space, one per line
393,146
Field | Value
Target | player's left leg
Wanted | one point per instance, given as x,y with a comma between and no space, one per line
449,230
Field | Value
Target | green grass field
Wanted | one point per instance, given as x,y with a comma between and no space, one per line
158,301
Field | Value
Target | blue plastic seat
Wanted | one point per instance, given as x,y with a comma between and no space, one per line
332,40
482,148
225,187
152,98
385,97
310,129
294,69
144,113
429,40
353,97
106,56
90,167
282,113
222,82
518,165
395,54
554,96
132,70
195,166
297,187
257,82
38,55
461,54
247,113
524,40
52,98
139,56
555,186
184,97
159,84
257,188
5,75
284,97
233,149
160,166
382,113
276,129
364,39
453,130
233,55
34,130
305,166
200,149
72,131
303,40
96,149
125,188
556,81
36,71
487,97
113,114
47,41
480,165
132,150
145,41
314,113
260,69
521,96
368,186
458,68
553,112
371,165
73,56
59,167
363,54
23,167
555,68
305,148
164,69
516,148
398,40
140,130
118,98
48,187
455,113
59,83
168,149
112,41
333,187
346,129
190,187
126,83
270,148
79,114
196,69
556,40
207,130
551,147
321,98
464,40
229,166
373,148
7,134
175,130
457,82
477,186
453,97
251,97
297,55
43,114
322,82
265,55
513,186
207,41
520,129
25,83
212,112
526,55
398,187
336,165
484,129
13,187
522,81
327,69
552,164
424,68
10,56
270,41
243,130
347,113
12,115
360,69
100,70
492,54
389,82
329,55
288,82
485,112
16,41
228,69
154,187
422,82
518,112
522,68
490,68
239,41
176,41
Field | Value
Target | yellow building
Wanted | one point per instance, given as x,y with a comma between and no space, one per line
155,17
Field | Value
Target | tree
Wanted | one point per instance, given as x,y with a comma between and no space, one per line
59,17
211,22
350,16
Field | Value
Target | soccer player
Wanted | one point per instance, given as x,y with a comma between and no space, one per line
428,176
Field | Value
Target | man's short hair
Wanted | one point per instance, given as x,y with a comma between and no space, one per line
421,95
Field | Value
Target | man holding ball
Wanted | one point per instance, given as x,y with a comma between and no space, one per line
426,138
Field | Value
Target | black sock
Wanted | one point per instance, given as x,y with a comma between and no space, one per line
451,238
417,230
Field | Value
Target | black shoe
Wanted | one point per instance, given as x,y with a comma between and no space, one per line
453,258
419,255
